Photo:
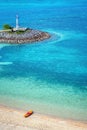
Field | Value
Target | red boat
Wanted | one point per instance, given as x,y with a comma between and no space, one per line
29,113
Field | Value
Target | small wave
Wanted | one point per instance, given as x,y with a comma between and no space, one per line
60,35
5,63
3,45
55,36
72,35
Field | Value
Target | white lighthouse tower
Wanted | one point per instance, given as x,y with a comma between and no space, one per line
17,25
17,22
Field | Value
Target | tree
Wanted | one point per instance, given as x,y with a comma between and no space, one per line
7,26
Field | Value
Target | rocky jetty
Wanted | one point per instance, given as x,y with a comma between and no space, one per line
27,36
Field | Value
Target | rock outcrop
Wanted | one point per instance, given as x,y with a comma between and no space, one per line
28,36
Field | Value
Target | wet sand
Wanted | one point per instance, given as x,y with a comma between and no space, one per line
12,119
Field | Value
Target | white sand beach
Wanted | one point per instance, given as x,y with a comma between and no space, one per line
12,119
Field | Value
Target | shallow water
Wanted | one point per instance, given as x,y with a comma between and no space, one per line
50,76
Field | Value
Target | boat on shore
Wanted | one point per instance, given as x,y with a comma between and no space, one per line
29,113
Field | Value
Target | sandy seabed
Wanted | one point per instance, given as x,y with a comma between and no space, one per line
12,119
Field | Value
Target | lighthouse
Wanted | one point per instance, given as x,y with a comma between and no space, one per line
17,28
17,22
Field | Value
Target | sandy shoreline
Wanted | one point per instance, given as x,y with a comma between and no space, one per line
12,119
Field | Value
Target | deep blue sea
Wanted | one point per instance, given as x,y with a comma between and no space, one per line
50,76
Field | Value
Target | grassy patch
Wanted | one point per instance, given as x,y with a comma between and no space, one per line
19,31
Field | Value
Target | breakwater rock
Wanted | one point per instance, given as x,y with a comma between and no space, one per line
28,36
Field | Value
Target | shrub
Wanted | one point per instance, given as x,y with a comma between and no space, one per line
7,26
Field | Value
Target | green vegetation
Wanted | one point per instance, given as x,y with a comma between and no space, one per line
7,26
20,31
11,30
17,32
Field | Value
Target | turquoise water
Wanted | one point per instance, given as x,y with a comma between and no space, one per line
49,77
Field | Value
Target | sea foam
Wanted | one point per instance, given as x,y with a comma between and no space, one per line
65,35
3,45
5,63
